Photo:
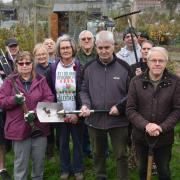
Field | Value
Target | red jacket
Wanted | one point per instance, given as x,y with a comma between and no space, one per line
15,127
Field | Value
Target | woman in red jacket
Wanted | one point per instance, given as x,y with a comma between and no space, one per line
29,89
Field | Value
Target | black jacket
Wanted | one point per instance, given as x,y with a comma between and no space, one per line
140,64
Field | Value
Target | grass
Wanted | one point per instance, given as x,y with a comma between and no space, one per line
52,168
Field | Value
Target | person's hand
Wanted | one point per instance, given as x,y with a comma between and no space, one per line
30,116
138,71
85,111
19,99
114,111
154,133
153,129
72,118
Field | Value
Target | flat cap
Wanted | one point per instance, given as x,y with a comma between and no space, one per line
11,41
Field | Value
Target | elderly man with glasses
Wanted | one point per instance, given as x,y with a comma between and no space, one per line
153,107
87,50
86,53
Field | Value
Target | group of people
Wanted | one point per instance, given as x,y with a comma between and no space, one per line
92,77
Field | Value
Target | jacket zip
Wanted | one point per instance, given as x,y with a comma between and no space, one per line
105,70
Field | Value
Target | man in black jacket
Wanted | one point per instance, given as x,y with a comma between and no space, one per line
105,85
153,107
3,142
140,67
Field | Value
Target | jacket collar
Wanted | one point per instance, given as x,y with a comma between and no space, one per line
109,64
164,82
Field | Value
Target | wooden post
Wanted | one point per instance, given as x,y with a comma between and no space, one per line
54,26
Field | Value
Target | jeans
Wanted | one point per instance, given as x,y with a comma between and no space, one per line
118,138
162,158
76,132
86,141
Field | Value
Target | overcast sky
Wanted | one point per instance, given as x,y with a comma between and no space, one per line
6,0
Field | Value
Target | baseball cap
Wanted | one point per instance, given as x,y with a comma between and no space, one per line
11,41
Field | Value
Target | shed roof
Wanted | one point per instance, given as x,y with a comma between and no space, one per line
69,7
83,6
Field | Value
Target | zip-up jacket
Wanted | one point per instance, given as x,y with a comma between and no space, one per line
104,86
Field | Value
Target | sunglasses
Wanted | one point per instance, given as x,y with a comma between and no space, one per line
24,63
86,38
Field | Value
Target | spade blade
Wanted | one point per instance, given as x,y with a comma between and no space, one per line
47,112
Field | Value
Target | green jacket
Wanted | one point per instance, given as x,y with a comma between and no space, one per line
83,58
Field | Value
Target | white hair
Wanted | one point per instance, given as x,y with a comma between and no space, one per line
85,31
161,50
105,36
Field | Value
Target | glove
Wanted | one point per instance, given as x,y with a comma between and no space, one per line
19,99
30,117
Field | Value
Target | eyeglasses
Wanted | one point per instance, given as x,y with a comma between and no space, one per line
86,38
65,48
157,61
24,63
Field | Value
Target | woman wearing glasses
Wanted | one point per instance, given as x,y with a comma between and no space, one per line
65,78
25,87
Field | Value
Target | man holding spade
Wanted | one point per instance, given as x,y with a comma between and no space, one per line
105,85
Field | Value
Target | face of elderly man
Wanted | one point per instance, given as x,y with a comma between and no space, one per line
157,64
105,46
86,41
105,51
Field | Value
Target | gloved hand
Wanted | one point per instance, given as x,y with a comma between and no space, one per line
30,116
19,99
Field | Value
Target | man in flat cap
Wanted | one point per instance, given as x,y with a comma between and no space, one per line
127,53
12,48
5,145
